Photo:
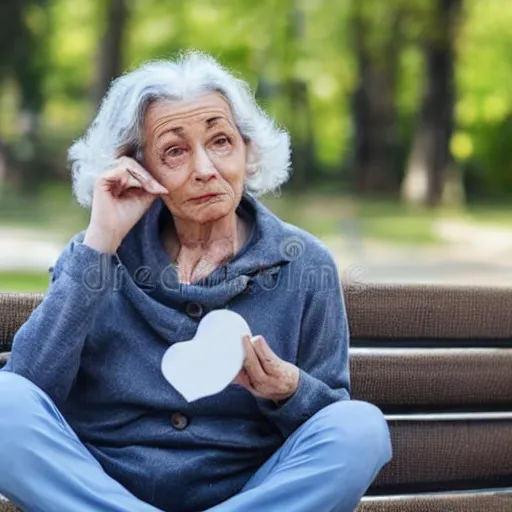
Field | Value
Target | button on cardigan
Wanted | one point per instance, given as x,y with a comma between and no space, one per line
96,342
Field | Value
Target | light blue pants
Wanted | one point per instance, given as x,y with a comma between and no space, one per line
324,466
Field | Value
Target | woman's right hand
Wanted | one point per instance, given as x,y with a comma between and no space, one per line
121,197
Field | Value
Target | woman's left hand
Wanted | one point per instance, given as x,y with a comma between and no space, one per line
264,374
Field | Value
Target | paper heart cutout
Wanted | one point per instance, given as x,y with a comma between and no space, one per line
208,363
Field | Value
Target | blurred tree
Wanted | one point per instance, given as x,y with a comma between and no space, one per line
431,170
110,59
366,88
24,27
3,166
481,144
377,36
297,91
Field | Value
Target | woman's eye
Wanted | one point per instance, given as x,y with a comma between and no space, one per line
221,141
174,152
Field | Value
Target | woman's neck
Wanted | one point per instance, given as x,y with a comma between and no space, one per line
198,249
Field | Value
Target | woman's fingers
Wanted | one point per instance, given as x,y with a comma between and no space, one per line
264,373
242,379
267,357
118,182
121,179
148,186
149,182
252,364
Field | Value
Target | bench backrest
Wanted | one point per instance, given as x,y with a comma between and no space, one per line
436,360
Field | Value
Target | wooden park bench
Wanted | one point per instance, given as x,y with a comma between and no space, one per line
438,362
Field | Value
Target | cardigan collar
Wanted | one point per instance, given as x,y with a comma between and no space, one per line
144,259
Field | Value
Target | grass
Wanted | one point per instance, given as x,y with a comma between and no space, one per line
386,221
493,215
323,215
23,281
53,210
56,212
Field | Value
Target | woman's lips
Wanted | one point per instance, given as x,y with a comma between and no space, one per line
204,198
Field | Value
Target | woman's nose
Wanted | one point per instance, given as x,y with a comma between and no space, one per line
204,168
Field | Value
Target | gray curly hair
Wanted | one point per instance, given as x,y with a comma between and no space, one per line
118,124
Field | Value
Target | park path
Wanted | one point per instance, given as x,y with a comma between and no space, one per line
24,249
471,254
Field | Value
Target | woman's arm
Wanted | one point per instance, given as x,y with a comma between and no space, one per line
322,360
48,346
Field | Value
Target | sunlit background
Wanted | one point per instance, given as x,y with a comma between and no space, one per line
400,113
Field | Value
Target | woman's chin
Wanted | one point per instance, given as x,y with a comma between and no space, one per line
213,212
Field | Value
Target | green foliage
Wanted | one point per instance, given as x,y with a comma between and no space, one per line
272,44
484,105
23,282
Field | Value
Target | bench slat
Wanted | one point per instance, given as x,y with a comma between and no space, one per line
15,309
443,455
375,312
433,379
429,312
450,502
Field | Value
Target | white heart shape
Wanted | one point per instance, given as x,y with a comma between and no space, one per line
208,363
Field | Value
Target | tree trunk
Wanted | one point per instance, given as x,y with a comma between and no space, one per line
110,58
3,167
303,156
431,171
27,66
374,110
301,121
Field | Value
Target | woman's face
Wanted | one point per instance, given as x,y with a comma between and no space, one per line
194,149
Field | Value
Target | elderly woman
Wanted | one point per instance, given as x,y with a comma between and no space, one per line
171,167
